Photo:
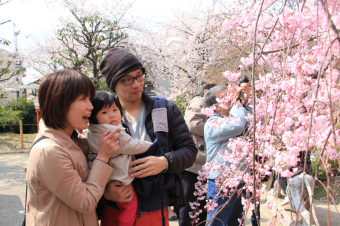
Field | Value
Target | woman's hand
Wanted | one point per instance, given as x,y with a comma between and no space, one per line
148,166
108,145
116,192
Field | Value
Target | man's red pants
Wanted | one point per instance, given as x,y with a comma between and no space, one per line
110,217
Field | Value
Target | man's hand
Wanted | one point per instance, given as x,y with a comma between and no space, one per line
245,88
148,166
116,192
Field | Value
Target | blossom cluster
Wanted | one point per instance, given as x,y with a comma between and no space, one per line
296,92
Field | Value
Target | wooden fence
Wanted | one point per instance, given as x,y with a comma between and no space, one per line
21,131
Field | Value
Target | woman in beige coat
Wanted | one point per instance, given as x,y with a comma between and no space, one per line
61,190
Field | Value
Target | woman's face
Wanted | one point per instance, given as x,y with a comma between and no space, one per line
78,114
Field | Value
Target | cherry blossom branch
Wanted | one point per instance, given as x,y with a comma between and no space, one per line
242,51
311,116
334,203
254,112
330,21
220,208
5,2
310,125
285,48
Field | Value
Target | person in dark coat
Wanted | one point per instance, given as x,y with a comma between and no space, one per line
125,76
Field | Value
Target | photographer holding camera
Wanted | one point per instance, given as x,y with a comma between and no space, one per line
216,140
245,91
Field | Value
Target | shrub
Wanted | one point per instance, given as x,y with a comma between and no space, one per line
17,110
181,104
103,86
8,117
322,172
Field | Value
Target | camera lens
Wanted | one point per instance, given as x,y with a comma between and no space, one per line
243,79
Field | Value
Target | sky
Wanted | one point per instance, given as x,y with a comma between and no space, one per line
33,20
36,19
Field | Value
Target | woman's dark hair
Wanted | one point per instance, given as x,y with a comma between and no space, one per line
210,96
207,86
101,100
57,91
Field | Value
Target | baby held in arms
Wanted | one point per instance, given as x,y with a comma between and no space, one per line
107,115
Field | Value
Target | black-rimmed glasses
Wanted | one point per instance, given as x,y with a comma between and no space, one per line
130,80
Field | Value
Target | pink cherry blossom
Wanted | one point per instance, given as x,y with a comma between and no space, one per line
296,91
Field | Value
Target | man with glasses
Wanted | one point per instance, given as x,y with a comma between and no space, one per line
125,76
130,80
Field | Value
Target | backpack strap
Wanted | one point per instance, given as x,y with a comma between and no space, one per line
176,192
159,115
160,102
36,141
160,124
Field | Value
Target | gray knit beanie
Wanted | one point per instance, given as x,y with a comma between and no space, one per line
117,63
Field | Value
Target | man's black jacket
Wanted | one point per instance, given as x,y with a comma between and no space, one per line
182,152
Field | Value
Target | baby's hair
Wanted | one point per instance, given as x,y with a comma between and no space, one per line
101,100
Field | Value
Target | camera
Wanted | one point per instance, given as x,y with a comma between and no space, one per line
243,79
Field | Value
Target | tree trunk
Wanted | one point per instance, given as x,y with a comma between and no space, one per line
95,76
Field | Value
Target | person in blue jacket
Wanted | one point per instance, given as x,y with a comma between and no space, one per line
216,140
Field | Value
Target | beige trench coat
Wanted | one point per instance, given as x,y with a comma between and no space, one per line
61,189
195,121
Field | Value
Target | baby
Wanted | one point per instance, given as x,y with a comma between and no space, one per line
106,115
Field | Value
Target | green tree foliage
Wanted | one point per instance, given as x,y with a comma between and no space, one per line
103,86
181,104
85,41
6,72
333,167
16,110
4,41
8,117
